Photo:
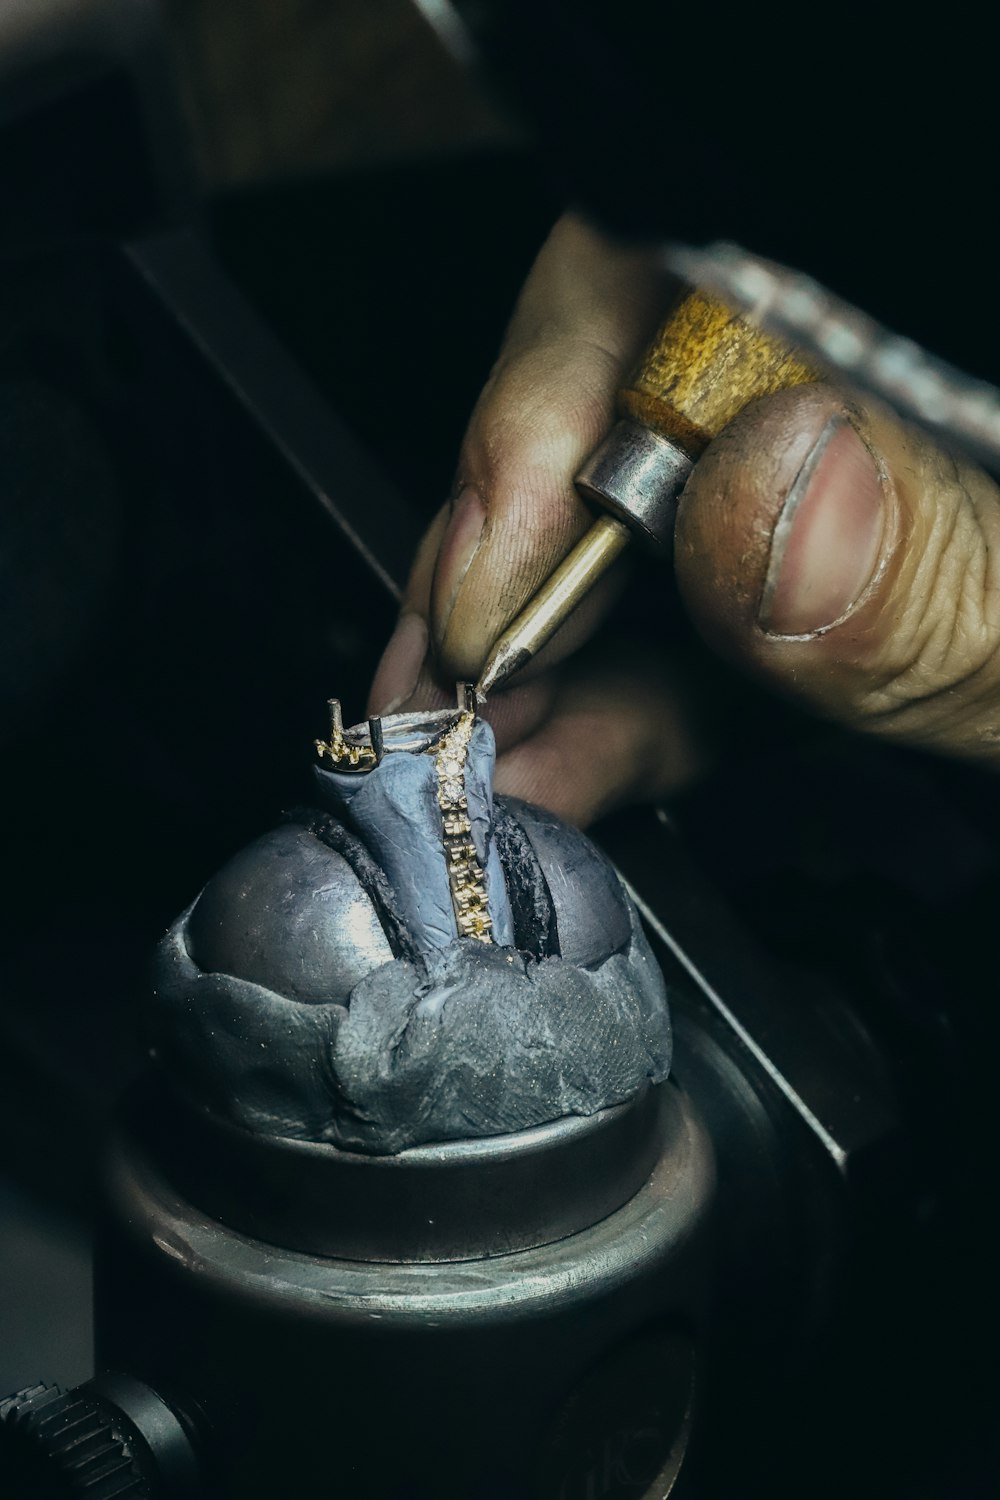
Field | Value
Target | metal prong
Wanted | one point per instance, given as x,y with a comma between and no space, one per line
466,695
336,718
377,738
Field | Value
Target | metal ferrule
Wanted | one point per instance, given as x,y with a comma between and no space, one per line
638,475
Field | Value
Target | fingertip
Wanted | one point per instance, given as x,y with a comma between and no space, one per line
827,537
731,507
457,552
624,727
399,670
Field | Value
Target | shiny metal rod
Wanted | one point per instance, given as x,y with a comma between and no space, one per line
538,621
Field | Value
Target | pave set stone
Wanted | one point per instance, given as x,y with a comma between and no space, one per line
465,874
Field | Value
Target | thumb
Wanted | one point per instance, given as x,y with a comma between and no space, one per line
846,559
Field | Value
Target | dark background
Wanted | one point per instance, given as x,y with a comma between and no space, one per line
177,606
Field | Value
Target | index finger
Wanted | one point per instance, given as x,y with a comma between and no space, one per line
580,322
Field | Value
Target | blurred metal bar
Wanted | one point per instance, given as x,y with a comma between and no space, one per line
52,49
246,358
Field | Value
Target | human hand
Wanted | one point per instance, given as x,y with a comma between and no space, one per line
821,545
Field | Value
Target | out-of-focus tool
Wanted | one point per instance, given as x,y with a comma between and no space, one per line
704,366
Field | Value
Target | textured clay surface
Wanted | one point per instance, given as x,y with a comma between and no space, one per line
279,1004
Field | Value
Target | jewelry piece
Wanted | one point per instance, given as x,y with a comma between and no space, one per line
465,874
350,756
350,752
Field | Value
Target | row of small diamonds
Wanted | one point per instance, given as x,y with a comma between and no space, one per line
465,875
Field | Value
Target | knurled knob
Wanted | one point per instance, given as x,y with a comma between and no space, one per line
57,1445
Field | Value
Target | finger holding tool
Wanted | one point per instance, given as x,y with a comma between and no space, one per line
703,367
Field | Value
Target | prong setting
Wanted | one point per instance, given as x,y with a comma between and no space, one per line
343,755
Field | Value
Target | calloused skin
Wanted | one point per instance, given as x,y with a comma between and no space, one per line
822,546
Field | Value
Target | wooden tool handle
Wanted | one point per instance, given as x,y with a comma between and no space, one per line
704,365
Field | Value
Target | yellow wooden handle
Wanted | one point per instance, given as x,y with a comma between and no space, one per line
704,365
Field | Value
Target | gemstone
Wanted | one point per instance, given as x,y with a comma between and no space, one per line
452,788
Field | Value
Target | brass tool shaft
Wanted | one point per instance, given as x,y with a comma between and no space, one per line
555,600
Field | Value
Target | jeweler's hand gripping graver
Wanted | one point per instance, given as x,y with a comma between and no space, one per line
703,367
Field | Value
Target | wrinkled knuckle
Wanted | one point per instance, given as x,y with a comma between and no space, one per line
542,408
561,341
942,650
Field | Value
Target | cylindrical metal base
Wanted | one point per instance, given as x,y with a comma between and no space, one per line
550,1373
458,1200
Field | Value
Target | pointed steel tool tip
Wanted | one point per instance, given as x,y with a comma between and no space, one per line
506,658
377,737
336,717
